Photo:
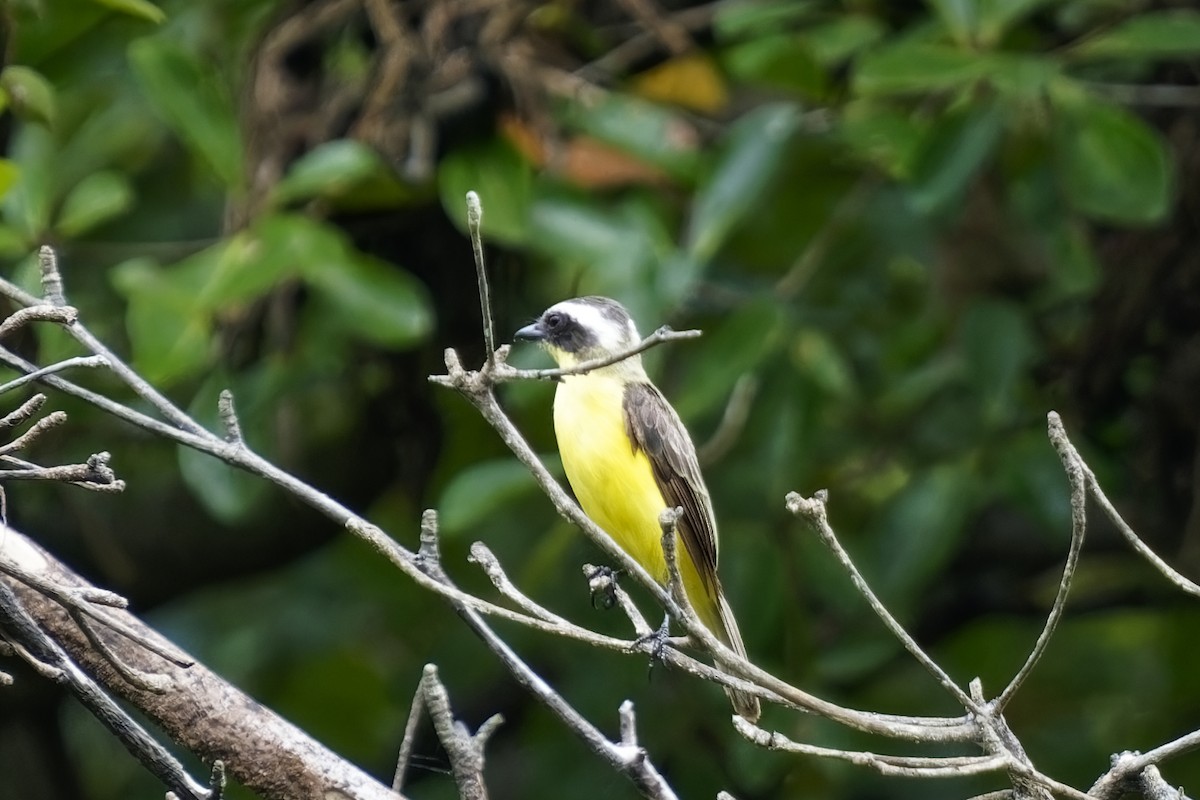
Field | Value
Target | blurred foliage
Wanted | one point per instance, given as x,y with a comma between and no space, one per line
896,220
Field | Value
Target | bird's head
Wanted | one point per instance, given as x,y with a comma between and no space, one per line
584,329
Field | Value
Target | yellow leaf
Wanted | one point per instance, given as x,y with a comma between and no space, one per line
691,81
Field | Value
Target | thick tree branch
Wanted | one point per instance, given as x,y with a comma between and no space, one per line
192,705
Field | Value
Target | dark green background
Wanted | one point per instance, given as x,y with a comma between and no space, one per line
914,228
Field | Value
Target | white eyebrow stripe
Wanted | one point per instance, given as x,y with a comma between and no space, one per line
609,334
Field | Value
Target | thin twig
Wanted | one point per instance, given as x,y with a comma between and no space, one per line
474,221
1129,764
1166,570
464,751
93,475
635,765
63,315
227,411
143,680
602,580
136,382
52,285
65,364
476,387
410,739
23,412
813,510
46,655
84,602
900,766
668,523
1074,468
503,372
51,420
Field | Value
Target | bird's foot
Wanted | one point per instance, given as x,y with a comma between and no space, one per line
657,640
603,584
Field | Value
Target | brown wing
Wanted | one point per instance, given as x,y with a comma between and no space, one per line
655,429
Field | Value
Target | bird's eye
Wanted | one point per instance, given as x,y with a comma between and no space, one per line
554,321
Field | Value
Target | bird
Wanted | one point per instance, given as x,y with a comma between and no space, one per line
628,456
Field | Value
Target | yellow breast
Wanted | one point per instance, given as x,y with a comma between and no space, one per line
614,485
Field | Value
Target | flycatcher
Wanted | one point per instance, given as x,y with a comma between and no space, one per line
628,457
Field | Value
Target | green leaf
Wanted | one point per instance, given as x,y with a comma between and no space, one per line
1113,166
230,495
882,135
735,347
10,173
30,95
997,346
819,358
653,133
617,245
12,243
982,22
843,37
502,179
781,61
753,18
1021,76
332,170
377,301
953,152
753,153
997,17
170,336
480,491
191,98
922,528
908,68
29,203
1150,35
142,9
960,18
96,199
276,247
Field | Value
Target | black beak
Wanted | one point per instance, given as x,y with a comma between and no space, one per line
531,333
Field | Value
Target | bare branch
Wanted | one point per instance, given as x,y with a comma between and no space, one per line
63,315
410,738
201,712
95,475
1140,547
16,561
46,655
464,751
51,420
474,221
82,335
813,511
504,372
668,521
1128,766
52,285
65,364
630,762
477,388
899,766
229,418
1074,468
23,412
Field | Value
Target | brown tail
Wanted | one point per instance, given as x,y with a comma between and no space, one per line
746,705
